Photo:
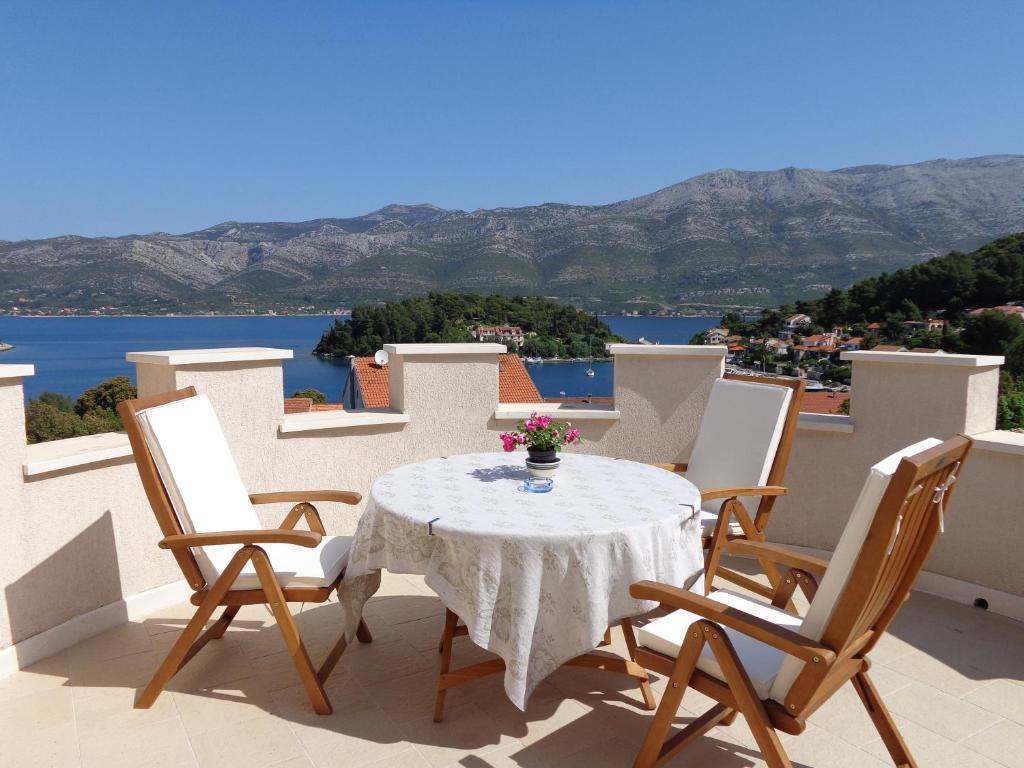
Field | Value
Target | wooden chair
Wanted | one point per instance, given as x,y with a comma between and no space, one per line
210,526
738,461
776,669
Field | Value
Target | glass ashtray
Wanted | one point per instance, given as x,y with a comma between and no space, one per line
538,484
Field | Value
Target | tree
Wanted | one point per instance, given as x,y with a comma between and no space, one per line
315,395
106,395
991,333
58,401
45,422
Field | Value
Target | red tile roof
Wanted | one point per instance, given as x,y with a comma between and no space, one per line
514,382
373,382
823,402
298,404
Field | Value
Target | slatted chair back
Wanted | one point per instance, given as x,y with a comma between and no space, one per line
159,500
853,608
777,473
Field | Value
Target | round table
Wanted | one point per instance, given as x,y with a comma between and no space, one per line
536,578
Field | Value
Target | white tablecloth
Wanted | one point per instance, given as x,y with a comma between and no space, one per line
537,578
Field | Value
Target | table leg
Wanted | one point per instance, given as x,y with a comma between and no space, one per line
450,621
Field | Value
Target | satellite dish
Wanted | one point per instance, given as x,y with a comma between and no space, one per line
380,357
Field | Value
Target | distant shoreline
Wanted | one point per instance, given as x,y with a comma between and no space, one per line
185,317
318,314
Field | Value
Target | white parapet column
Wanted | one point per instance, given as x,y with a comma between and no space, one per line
12,510
896,399
661,391
246,387
449,392
902,394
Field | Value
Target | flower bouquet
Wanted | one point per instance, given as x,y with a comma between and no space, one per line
544,438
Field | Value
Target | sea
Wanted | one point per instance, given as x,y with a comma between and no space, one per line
72,354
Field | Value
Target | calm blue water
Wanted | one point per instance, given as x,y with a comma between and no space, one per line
72,354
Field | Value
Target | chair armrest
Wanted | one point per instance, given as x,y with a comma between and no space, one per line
708,494
261,536
675,466
777,554
345,497
787,641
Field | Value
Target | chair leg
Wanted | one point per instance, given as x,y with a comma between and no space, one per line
749,705
187,644
645,685
718,541
363,633
290,633
883,721
656,749
226,617
450,620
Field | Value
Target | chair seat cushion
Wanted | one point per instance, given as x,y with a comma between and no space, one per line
709,519
761,661
295,566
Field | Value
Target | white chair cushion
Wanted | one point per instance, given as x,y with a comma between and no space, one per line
208,495
843,559
738,438
297,566
761,661
709,519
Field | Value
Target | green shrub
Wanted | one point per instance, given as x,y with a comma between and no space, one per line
318,397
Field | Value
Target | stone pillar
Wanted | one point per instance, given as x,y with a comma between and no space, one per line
896,400
246,387
661,391
448,391
12,456
904,396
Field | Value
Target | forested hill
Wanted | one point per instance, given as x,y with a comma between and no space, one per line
552,329
986,277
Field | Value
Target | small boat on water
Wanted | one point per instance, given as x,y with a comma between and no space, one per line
533,360
590,371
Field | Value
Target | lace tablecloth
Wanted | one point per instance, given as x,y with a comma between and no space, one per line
537,578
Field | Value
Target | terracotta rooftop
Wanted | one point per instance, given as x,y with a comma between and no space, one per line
373,382
823,402
298,404
514,382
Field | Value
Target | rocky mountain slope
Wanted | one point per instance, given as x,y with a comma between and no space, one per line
722,238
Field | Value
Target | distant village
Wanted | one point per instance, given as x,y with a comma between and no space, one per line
799,348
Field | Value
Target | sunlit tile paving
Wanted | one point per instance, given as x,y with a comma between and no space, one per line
952,675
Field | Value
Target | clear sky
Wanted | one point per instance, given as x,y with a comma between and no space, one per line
132,117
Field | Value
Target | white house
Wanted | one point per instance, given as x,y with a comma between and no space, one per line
716,335
792,324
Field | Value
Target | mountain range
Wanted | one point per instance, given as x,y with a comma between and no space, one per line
722,239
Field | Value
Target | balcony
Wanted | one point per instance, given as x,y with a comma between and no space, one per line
90,604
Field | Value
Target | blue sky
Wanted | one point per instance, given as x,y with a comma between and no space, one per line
132,117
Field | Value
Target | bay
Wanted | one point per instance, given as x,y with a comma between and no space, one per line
72,354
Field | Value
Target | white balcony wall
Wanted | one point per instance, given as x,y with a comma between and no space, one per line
80,538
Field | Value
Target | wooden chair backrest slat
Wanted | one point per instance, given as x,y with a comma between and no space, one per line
777,473
899,539
159,501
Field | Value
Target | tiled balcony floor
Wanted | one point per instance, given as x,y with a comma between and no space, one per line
951,674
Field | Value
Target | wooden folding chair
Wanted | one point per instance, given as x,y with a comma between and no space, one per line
210,526
739,458
776,669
